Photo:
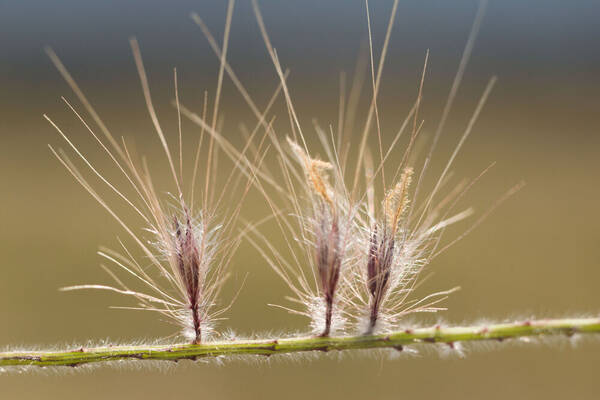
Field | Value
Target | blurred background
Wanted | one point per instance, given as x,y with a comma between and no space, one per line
537,255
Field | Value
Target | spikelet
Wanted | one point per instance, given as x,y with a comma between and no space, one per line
326,232
186,248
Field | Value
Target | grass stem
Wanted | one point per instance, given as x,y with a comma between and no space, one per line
267,347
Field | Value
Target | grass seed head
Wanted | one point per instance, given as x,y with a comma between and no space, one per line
188,252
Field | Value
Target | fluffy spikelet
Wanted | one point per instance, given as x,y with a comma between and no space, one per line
185,259
328,242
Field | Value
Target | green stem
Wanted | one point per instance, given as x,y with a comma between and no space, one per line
398,339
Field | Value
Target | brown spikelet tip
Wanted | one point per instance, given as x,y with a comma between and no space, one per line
319,180
396,200
314,170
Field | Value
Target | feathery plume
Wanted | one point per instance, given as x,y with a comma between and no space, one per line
327,240
188,250
395,256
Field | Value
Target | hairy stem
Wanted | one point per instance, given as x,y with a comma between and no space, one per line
395,340
328,316
196,323
373,317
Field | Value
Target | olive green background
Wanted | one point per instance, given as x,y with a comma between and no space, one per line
537,255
